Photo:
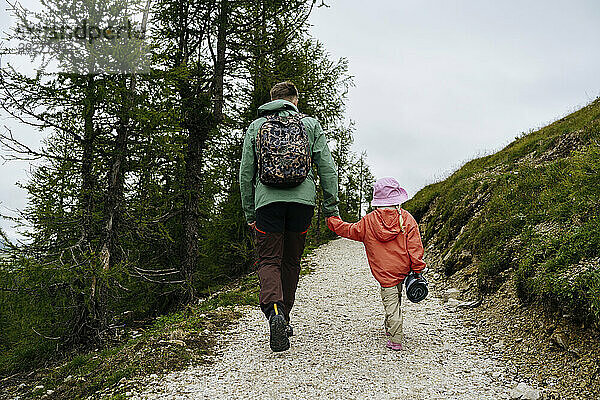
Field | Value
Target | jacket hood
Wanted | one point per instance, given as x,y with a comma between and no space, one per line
387,224
276,105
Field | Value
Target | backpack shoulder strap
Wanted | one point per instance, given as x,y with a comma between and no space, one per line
405,235
400,218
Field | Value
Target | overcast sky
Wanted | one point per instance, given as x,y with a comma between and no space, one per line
439,82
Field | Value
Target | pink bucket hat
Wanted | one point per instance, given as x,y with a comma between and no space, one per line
387,192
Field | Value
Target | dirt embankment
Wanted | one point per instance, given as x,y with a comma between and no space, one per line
561,357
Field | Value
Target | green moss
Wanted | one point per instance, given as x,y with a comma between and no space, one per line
151,351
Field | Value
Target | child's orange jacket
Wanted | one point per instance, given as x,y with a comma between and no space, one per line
392,254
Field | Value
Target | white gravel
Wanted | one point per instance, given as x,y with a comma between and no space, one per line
339,348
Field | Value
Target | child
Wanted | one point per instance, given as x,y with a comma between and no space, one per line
393,245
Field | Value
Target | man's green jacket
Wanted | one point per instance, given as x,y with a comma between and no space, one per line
256,195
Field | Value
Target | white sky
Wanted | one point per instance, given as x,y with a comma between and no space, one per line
439,82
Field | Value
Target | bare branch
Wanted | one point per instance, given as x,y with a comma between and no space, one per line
46,337
9,142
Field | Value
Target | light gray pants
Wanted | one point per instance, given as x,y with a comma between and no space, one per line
392,297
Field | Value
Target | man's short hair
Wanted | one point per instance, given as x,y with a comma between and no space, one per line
284,90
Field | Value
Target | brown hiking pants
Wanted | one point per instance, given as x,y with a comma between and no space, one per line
280,237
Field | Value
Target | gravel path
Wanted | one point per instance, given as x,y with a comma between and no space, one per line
339,348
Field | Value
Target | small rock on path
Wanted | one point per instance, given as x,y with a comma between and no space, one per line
339,348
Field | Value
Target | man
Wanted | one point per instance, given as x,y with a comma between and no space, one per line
281,216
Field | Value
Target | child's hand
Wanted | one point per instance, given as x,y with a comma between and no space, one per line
330,223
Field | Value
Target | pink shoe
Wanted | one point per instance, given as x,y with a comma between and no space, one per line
393,346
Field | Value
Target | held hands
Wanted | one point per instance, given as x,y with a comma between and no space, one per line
329,221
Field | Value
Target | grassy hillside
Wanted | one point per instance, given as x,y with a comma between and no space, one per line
530,213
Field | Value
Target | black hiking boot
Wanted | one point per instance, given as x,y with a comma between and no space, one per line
278,328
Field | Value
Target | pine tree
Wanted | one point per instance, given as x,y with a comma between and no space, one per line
135,205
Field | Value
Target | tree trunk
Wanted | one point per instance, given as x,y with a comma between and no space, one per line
109,255
192,188
87,175
114,194
116,178
81,326
200,124
218,86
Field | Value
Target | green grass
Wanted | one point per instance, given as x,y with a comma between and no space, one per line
532,207
244,294
154,349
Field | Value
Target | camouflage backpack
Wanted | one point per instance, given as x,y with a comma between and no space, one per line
283,151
